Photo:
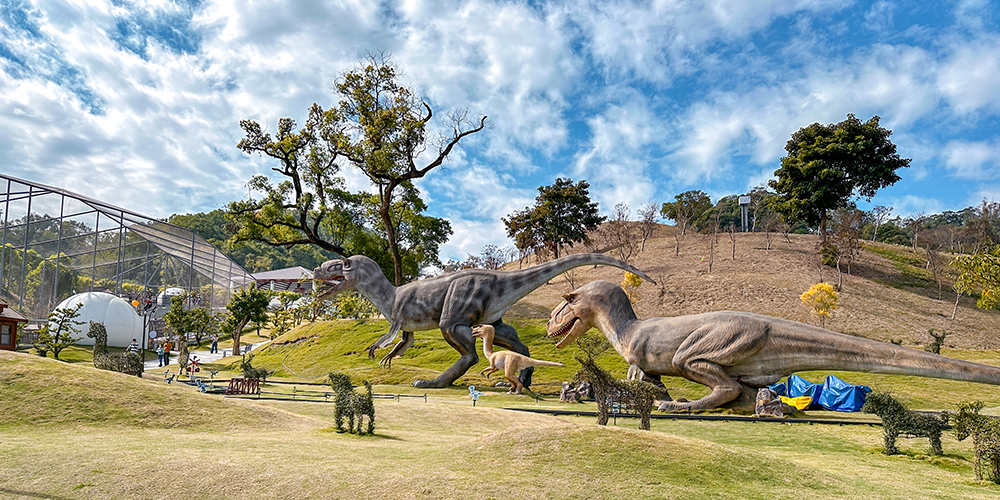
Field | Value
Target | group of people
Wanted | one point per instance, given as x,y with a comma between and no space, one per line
163,349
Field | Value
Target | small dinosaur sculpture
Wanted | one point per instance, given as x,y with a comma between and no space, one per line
737,352
509,361
452,302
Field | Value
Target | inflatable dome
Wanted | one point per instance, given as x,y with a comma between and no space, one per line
118,316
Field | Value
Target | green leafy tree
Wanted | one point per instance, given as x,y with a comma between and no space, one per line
383,133
686,207
281,322
827,165
310,204
379,127
562,215
980,272
58,332
245,306
177,318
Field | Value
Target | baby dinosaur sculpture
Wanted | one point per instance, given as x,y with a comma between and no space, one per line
452,302
509,361
730,351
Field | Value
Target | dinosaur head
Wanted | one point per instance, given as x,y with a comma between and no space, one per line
339,275
577,313
485,332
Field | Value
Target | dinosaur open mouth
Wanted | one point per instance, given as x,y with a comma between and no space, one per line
329,287
564,330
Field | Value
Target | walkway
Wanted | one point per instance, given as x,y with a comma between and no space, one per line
203,357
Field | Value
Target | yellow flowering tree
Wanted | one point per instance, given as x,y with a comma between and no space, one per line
821,299
631,286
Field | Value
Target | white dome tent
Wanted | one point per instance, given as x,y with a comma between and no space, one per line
118,316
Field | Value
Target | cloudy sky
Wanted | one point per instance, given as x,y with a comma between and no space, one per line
138,103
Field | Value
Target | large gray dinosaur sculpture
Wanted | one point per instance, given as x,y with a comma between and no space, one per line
734,353
453,302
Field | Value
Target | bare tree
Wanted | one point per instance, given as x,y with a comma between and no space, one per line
647,223
880,214
936,264
915,223
619,235
732,238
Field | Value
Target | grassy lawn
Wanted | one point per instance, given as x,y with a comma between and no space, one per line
70,431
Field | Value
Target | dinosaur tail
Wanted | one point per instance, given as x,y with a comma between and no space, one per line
539,362
864,355
533,277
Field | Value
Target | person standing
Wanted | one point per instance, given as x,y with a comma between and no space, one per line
159,353
166,352
133,347
215,343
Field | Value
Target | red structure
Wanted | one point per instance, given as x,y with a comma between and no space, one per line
9,319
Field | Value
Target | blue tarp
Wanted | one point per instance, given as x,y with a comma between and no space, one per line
834,394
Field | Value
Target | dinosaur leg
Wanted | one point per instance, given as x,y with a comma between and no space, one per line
935,438
515,385
397,351
459,337
506,337
703,356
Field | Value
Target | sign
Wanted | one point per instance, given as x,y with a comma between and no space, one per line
744,200
152,334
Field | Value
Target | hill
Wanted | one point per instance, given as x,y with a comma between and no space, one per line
44,393
888,295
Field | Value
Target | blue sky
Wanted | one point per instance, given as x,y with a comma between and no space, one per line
138,103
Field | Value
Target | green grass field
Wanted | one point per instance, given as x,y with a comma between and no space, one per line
70,431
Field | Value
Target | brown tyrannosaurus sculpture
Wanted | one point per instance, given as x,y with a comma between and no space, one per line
728,351
509,361
452,302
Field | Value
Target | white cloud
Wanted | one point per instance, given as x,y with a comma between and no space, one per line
910,205
970,75
893,82
973,160
660,40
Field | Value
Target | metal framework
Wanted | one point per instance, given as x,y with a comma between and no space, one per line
55,243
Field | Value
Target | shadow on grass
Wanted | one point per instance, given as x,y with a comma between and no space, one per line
383,437
29,494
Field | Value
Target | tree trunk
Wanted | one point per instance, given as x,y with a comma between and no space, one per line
822,227
236,335
390,234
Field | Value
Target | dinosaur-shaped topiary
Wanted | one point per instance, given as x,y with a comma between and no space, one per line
351,405
985,432
122,362
897,419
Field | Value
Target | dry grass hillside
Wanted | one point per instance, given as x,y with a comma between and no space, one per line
884,298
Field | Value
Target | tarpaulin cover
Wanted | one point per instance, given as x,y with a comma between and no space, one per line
834,394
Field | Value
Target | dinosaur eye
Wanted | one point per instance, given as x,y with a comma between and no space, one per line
347,263
569,297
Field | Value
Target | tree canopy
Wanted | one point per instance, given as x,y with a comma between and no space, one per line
827,165
981,271
379,127
686,207
246,305
562,215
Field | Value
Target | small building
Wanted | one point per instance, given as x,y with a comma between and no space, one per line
9,319
293,279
